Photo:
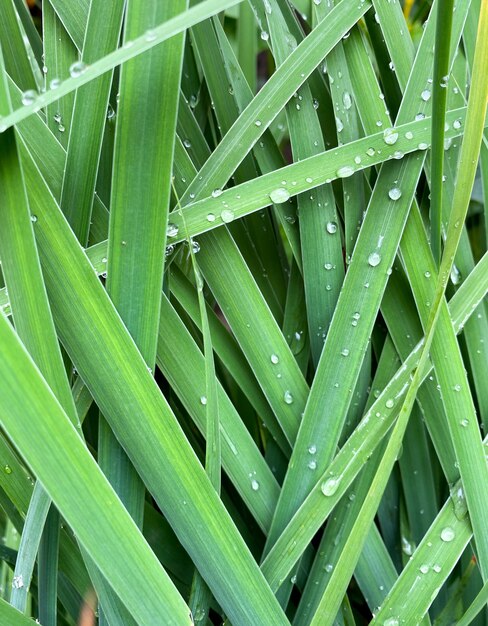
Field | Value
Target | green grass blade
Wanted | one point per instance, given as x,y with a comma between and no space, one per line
188,496
269,353
59,54
74,17
237,444
247,37
329,605
15,54
249,234
97,528
29,545
439,102
310,173
12,616
343,352
374,425
88,117
228,351
395,32
433,560
47,569
141,44
263,499
256,118
139,208
321,247
475,608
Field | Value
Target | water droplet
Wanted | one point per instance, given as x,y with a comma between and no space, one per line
169,250
33,218
425,95
391,621
447,534
275,359
390,136
187,143
427,274
331,228
457,124
345,172
408,135
347,100
199,615
203,400
77,69
210,217
329,567
345,352
7,469
287,397
339,125
29,97
280,195
254,485
227,215
312,449
464,423
423,146
195,246
172,230
257,123
424,569
374,259
455,275
328,266
370,152
312,465
55,83
395,193
149,35
330,486
18,582
216,193
389,403
264,35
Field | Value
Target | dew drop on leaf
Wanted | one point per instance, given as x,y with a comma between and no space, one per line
287,397
29,97
227,215
394,193
374,259
77,69
172,230
280,195
345,172
390,136
447,534
330,486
